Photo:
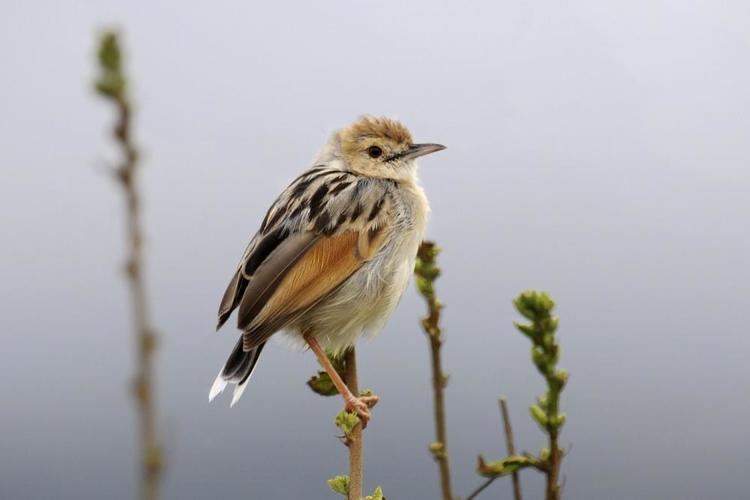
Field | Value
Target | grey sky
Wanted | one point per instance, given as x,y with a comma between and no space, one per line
598,150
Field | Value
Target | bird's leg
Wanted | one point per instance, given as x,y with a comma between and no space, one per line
358,404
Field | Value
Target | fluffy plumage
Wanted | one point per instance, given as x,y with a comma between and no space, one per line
334,252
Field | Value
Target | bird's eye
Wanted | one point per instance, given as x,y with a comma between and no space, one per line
374,151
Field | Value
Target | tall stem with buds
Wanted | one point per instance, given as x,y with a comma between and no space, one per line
350,486
545,353
427,272
112,85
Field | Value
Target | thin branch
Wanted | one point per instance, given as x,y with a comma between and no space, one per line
509,444
111,84
354,438
440,447
426,273
481,488
325,384
555,458
505,467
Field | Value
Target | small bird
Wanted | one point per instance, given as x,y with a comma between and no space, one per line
333,254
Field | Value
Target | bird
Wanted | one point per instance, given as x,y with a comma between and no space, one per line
333,254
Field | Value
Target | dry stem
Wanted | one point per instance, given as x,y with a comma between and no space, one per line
481,488
354,441
510,445
145,337
145,340
438,385
427,272
553,476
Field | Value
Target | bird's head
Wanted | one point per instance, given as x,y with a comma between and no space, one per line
381,147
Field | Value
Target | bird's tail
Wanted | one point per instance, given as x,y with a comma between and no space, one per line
237,371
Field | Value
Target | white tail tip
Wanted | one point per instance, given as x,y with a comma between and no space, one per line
217,388
238,390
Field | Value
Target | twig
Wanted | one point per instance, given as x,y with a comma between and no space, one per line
111,84
440,447
553,477
354,438
504,467
426,273
509,444
481,488
349,422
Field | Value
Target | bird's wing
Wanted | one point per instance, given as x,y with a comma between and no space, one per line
290,214
283,247
289,284
315,236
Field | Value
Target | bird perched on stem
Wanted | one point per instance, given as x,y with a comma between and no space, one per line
333,254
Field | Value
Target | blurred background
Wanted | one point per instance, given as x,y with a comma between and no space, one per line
597,150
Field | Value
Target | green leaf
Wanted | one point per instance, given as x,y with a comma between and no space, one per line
322,384
110,85
376,495
111,82
534,305
538,415
425,269
553,323
507,465
543,401
428,251
437,449
339,484
523,309
540,358
109,52
424,286
558,421
347,421
545,302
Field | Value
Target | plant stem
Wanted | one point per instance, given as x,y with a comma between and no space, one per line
145,338
438,385
112,86
553,476
509,444
545,353
354,442
427,272
481,488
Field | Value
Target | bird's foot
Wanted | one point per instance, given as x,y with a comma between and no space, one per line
361,407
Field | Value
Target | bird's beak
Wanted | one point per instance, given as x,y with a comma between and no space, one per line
417,150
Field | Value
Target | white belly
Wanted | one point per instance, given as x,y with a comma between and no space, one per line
364,302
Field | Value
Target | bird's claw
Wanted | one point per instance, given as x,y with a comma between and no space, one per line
361,406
